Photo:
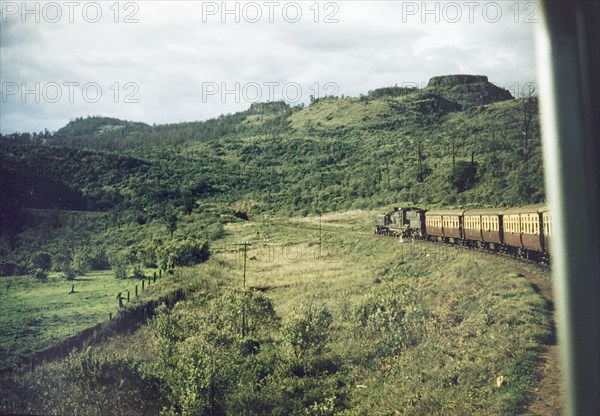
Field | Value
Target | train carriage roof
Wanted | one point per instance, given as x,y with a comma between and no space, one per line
485,211
527,209
445,212
410,209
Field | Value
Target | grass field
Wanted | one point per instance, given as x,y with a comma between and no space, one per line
35,315
415,329
479,324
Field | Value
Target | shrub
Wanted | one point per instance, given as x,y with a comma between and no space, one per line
68,273
308,333
99,260
138,273
390,319
41,260
242,313
8,268
40,274
89,384
183,253
463,175
119,264
80,262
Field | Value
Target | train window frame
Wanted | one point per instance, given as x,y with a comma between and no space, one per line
521,225
567,42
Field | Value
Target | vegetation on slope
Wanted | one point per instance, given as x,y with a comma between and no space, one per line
427,147
156,196
359,325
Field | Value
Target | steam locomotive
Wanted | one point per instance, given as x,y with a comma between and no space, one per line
524,231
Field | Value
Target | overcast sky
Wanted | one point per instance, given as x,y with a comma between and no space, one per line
166,62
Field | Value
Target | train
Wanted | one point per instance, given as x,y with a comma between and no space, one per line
524,231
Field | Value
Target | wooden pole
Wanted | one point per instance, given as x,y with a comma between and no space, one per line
245,244
320,235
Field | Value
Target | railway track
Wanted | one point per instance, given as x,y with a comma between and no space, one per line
541,270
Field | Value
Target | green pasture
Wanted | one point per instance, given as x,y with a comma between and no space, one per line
35,315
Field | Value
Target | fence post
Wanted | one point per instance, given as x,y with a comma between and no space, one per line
136,291
128,296
143,281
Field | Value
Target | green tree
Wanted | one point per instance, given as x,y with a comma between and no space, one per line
81,261
171,220
42,260
307,333
183,253
119,264
463,175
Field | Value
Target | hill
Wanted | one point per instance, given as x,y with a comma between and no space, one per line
91,127
330,318
461,141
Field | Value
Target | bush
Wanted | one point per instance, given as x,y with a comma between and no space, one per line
463,175
88,384
138,272
308,333
242,313
81,262
41,260
8,268
99,260
183,253
40,274
389,319
119,264
68,273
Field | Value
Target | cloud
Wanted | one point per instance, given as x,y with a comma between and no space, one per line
166,59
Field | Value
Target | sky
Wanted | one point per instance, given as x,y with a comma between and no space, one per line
170,62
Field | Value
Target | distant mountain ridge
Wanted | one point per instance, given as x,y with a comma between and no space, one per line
445,93
97,126
393,144
468,90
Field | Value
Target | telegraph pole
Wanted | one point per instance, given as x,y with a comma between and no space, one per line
244,324
320,235
245,244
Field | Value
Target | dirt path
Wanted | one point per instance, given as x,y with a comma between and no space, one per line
548,400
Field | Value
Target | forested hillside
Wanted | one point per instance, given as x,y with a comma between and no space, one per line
461,141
